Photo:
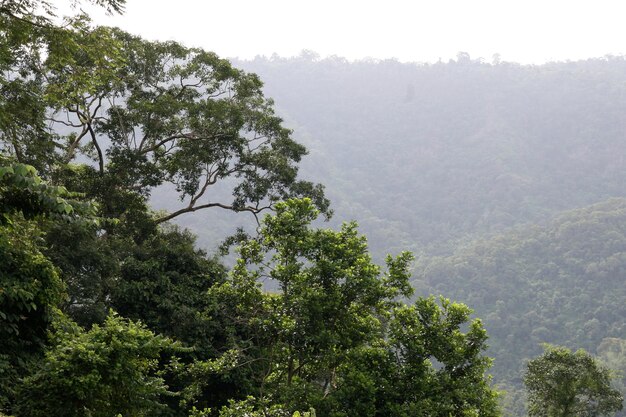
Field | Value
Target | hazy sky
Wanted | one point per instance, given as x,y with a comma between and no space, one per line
526,31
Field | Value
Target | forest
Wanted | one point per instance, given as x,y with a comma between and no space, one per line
185,235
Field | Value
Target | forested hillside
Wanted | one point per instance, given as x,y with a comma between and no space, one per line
562,283
108,309
424,155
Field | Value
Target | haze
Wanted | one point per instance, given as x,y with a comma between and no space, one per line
530,32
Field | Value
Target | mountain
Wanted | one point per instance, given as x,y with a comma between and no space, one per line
425,155
562,283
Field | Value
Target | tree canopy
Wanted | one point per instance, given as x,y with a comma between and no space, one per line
562,383
333,335
112,369
146,114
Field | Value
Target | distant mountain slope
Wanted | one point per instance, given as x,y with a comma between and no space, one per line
422,155
563,283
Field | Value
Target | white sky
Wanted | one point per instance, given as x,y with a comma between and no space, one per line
526,31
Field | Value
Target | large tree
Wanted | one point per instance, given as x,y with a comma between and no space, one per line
146,114
431,363
114,116
30,30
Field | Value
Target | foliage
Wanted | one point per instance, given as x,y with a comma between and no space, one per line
563,384
149,114
330,295
251,407
426,367
146,114
443,158
117,118
30,31
163,282
23,191
427,332
560,283
89,265
30,289
611,354
30,286
314,337
109,370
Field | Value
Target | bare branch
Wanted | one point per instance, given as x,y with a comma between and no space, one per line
254,210
162,142
6,11
69,124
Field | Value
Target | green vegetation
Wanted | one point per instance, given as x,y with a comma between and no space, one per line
563,384
109,370
561,283
30,286
427,156
477,167
106,309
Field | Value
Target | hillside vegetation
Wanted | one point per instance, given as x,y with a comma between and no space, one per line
424,155
562,283
108,309
477,166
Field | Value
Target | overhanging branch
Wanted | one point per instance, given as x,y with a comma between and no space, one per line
190,209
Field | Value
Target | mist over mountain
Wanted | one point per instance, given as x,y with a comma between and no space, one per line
425,156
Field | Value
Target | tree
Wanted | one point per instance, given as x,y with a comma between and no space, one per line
562,383
144,114
327,298
109,370
331,296
442,367
182,116
426,365
148,114
29,30
333,335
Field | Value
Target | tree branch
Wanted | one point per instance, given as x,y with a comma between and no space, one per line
69,155
190,209
94,140
6,11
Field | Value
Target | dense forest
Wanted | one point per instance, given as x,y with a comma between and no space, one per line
561,283
125,163
425,156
